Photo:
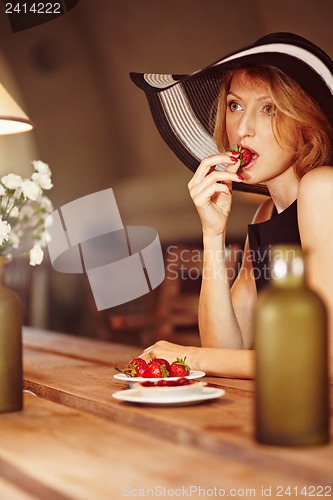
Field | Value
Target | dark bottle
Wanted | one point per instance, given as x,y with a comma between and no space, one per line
290,327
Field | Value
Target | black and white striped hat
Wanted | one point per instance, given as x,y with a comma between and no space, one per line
184,106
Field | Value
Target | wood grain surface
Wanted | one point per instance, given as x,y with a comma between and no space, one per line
74,440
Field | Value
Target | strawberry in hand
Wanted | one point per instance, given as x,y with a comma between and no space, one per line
179,368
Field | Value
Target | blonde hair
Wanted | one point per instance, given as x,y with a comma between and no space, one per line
298,123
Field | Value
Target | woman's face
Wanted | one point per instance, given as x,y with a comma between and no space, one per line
249,115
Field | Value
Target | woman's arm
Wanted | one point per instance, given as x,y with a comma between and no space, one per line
229,363
211,192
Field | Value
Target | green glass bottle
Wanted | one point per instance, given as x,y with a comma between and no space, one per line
11,380
290,328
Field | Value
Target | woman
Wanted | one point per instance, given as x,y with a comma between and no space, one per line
275,100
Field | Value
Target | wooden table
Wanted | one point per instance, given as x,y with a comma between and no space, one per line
73,440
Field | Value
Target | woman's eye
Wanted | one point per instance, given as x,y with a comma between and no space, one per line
269,109
234,106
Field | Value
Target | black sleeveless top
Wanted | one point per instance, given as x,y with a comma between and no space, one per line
281,228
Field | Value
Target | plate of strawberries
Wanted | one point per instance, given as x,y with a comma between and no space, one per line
139,370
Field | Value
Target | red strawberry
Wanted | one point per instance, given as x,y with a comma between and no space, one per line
138,361
136,367
162,361
179,368
155,370
245,155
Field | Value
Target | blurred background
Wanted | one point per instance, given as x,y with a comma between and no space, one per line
94,129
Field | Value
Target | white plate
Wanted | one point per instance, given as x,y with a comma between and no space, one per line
132,380
135,396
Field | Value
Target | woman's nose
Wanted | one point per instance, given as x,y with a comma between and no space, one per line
246,125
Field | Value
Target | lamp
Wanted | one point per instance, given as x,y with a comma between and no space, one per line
12,118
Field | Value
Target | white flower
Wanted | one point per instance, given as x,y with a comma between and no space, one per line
23,210
41,167
5,229
30,190
43,180
36,255
12,181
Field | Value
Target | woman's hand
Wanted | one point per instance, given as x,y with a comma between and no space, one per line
170,352
211,191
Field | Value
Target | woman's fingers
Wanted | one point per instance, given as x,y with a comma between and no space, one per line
211,189
161,348
208,164
213,182
202,197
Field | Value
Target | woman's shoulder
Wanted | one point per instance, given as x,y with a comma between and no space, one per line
264,211
315,200
318,181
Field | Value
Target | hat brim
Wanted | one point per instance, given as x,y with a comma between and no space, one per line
184,106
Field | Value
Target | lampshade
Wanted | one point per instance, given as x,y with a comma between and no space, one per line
12,118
